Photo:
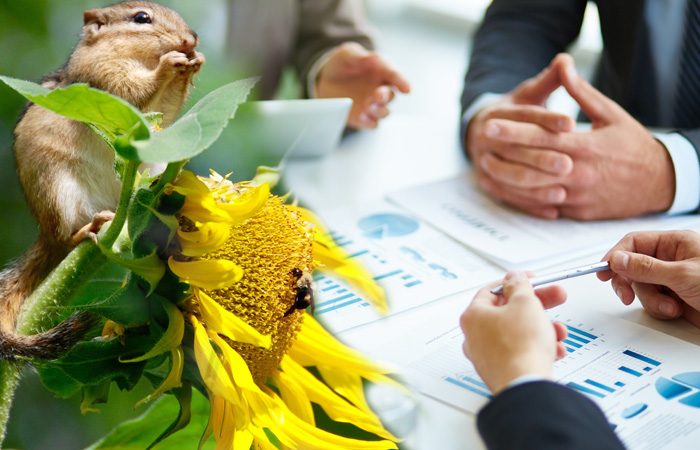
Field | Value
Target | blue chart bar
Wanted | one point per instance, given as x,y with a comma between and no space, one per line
641,357
386,275
630,371
647,369
578,338
330,288
578,387
468,387
570,350
413,283
572,343
582,333
476,382
619,383
599,385
355,255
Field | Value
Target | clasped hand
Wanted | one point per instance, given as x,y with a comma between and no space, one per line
531,158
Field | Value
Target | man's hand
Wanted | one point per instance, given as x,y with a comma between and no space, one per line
616,170
354,72
525,176
662,269
509,336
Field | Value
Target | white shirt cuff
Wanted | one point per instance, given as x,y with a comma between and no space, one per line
484,99
527,378
313,72
687,169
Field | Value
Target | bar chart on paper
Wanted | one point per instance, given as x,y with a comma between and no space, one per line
411,261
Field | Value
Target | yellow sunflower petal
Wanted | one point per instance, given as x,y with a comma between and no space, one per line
213,372
207,238
247,204
296,433
335,406
239,369
174,378
243,440
230,325
314,346
294,396
225,428
335,260
207,273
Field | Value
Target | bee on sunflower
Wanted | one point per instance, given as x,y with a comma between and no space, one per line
211,285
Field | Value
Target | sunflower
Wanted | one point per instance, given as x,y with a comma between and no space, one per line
242,250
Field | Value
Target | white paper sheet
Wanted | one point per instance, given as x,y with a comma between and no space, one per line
646,382
515,240
413,262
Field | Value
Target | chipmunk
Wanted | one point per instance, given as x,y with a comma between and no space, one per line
140,51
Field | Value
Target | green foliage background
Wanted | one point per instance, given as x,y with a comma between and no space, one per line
36,37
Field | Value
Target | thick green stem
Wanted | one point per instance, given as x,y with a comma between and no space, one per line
39,311
124,200
9,378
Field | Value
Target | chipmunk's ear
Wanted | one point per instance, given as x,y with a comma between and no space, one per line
93,21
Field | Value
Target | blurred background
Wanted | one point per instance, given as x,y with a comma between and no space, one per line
428,40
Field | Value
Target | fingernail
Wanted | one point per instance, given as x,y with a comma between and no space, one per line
667,309
555,196
516,275
564,124
373,107
618,292
492,130
484,164
561,165
623,260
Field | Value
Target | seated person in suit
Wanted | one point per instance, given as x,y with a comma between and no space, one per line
529,157
513,344
328,44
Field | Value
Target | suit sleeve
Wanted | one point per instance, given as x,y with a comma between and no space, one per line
516,40
545,415
324,24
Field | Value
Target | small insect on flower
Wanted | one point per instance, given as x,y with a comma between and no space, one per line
305,292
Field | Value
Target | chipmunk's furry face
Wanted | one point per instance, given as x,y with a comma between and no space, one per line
158,29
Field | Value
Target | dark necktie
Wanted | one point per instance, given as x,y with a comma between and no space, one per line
686,113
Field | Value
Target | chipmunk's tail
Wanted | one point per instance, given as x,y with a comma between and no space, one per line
50,344
16,284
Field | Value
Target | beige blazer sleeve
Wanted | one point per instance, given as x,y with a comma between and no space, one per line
265,36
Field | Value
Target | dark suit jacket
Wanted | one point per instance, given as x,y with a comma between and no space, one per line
518,38
544,415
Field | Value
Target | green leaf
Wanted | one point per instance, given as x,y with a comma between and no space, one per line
150,268
57,381
139,433
127,305
265,174
98,393
111,114
95,362
184,398
198,129
172,336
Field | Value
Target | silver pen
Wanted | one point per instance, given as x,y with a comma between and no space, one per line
563,275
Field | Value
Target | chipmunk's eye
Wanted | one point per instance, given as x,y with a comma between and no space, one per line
142,17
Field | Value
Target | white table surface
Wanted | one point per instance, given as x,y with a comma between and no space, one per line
418,144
